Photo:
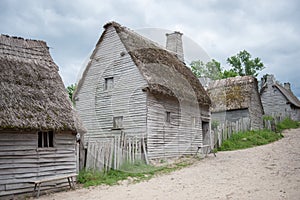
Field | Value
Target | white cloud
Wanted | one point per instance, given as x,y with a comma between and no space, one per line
267,29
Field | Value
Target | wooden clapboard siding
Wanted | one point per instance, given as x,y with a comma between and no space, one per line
274,102
98,106
21,160
180,136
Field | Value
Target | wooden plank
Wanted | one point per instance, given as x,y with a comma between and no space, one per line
53,178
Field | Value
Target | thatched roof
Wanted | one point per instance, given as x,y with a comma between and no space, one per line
32,92
162,70
232,93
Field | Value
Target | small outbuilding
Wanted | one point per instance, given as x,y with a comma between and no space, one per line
236,100
38,125
278,100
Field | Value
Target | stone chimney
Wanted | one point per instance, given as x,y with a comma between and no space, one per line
174,43
287,86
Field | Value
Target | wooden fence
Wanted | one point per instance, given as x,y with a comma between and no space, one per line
111,152
224,131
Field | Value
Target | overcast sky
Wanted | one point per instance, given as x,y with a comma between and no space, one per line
269,30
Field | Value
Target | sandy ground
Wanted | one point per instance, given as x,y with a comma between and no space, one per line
266,172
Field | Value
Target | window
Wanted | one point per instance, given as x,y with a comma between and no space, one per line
109,83
45,139
118,122
168,117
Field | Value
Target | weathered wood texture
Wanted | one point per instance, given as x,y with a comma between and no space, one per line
224,130
21,161
275,103
112,152
181,136
98,106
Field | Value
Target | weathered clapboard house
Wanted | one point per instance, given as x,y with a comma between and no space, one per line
236,100
133,86
37,122
278,100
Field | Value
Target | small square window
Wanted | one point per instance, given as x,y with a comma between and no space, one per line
118,122
45,139
109,83
168,117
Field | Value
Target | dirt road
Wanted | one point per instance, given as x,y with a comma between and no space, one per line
266,172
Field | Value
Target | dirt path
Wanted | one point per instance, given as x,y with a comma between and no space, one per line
266,172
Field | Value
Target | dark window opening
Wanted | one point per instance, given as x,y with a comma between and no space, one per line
118,122
50,134
40,139
168,117
45,139
109,83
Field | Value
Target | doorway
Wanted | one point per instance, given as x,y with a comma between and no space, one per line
205,133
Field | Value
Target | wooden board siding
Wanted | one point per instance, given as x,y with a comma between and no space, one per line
20,160
275,104
180,136
231,115
97,106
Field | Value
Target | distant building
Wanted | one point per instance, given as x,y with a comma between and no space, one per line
133,87
235,99
278,100
37,122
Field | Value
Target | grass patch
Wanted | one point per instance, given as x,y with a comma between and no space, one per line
287,123
243,140
136,172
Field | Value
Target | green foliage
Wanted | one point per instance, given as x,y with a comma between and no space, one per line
287,123
211,69
137,172
229,73
243,65
70,89
242,140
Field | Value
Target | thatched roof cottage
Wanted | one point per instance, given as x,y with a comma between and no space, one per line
279,100
37,122
236,100
133,86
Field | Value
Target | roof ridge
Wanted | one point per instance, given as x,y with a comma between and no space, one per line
21,38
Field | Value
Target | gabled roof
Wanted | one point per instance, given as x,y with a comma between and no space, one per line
232,93
292,99
32,93
162,70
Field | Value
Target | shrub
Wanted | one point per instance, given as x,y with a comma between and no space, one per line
287,123
242,140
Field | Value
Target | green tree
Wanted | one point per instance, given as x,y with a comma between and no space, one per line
243,65
212,69
229,73
70,89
